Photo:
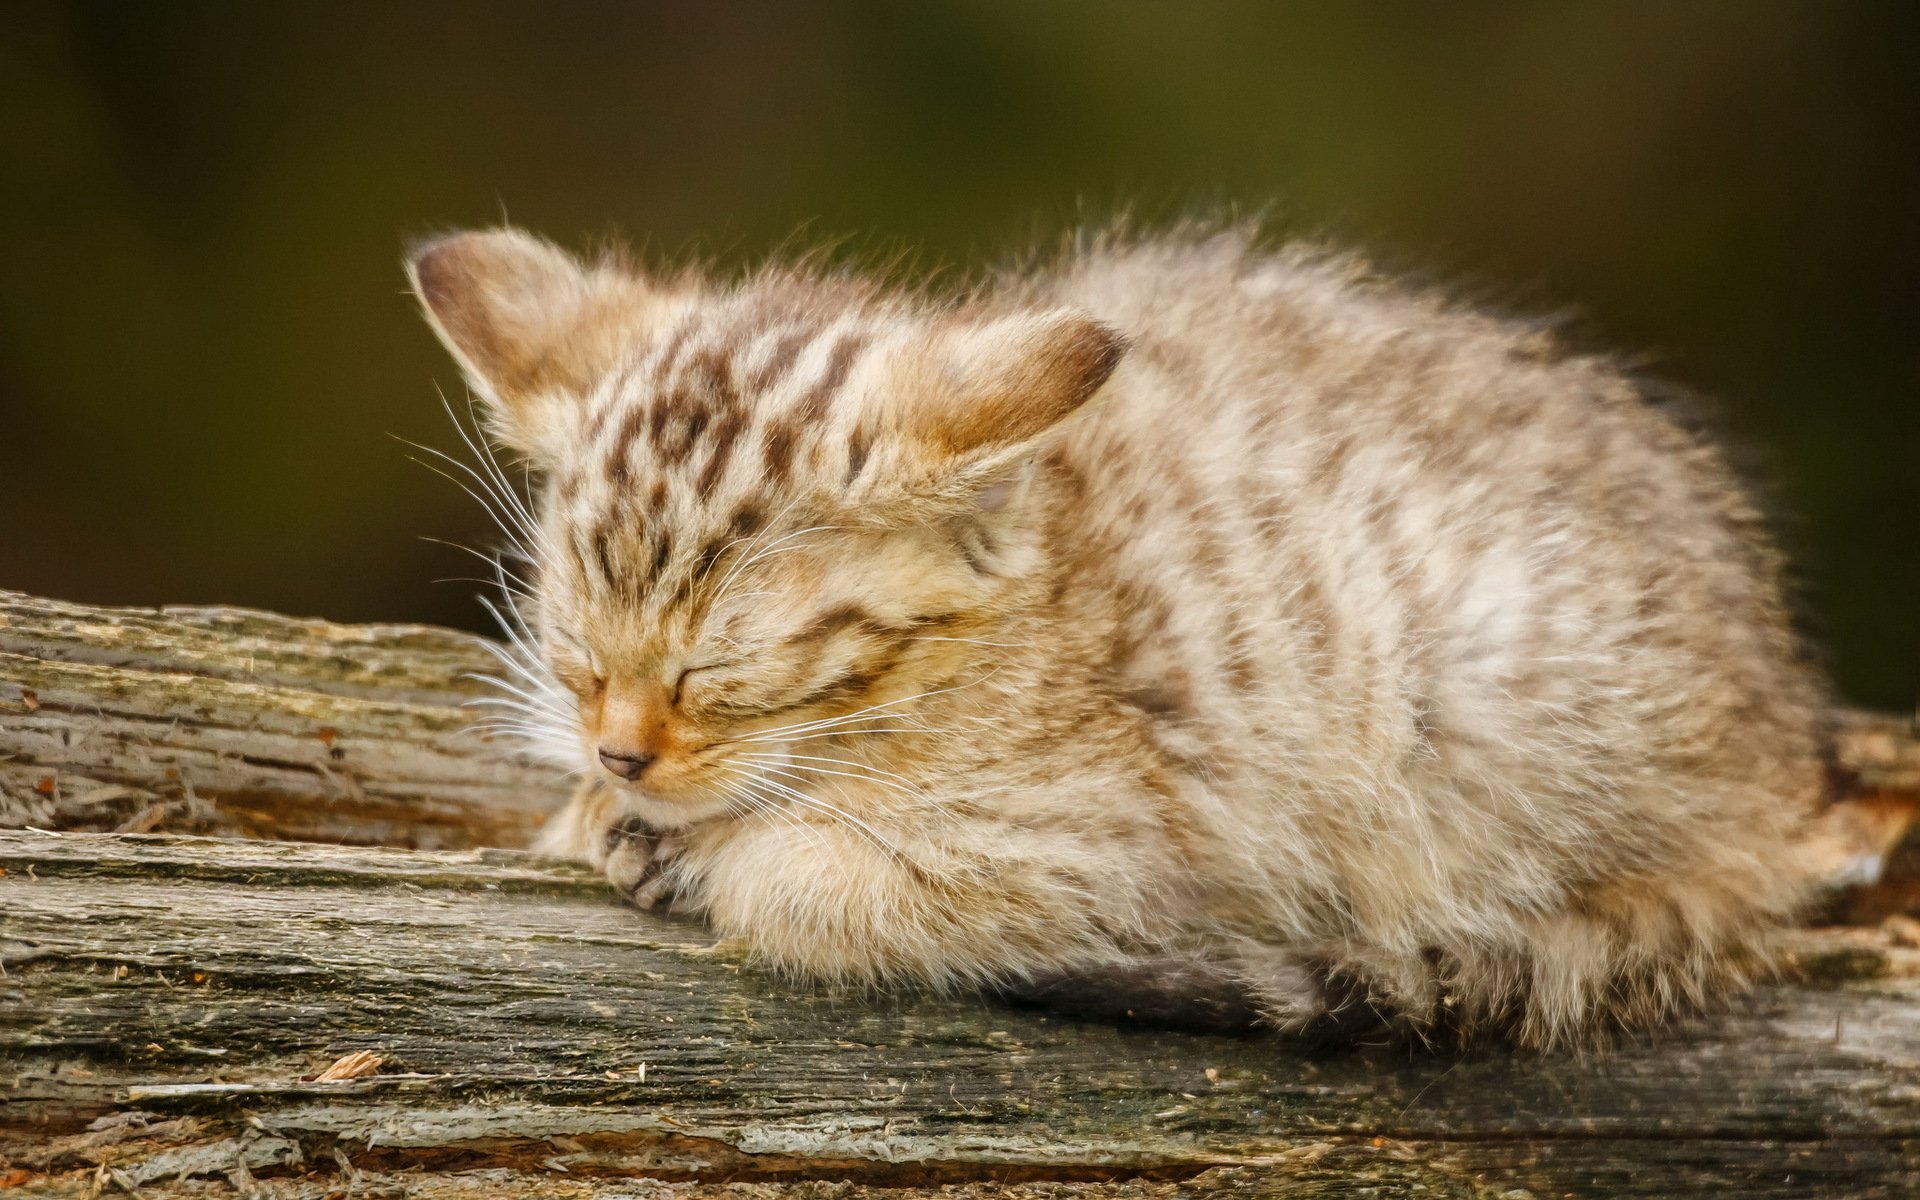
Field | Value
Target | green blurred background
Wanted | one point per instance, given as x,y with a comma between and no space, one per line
205,345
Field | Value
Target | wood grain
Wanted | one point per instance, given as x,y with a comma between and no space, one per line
167,1002
227,721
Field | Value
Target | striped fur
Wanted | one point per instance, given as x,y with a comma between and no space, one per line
1177,600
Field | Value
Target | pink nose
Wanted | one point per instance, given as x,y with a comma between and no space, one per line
626,765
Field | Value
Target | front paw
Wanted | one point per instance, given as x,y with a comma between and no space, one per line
636,860
597,828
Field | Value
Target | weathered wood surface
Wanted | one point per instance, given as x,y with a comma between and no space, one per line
165,1002
218,720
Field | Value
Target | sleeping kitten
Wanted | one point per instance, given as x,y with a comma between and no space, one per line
1181,601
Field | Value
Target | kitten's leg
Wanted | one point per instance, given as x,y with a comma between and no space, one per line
1265,987
1290,995
1189,994
596,827
1305,997
835,902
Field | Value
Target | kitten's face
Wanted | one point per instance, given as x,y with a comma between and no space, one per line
790,644
773,515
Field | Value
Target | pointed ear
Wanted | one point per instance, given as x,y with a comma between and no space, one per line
972,396
531,327
957,417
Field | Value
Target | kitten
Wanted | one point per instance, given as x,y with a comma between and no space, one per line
1182,600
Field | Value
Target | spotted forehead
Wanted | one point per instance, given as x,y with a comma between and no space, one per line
717,390
692,451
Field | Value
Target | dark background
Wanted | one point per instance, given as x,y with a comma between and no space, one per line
204,341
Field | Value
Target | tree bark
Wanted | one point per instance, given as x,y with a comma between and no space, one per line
168,1002
226,721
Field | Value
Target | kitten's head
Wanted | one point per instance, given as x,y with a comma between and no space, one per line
771,513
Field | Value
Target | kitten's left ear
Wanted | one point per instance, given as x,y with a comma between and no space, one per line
531,326
971,400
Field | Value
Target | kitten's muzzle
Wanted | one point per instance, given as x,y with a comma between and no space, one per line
628,766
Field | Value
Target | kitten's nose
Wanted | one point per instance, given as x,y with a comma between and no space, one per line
626,765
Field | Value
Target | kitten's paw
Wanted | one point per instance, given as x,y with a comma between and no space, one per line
596,828
636,859
1308,999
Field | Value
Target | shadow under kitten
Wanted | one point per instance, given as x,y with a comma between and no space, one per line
1194,996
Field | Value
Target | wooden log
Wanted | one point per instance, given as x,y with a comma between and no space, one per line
225,721
169,1006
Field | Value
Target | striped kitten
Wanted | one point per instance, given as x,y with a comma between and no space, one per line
1179,601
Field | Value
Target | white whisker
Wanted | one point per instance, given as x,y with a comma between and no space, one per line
804,775
971,641
752,540
747,560
522,587
841,733
508,525
763,803
796,796
483,450
842,762
829,722
533,701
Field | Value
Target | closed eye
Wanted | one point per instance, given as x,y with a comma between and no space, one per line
574,664
680,683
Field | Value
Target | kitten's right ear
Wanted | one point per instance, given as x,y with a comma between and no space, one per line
530,326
